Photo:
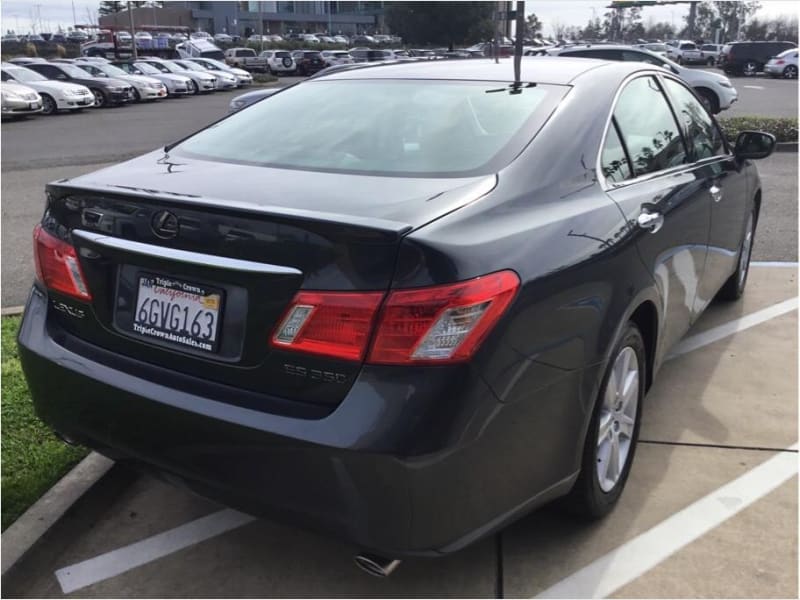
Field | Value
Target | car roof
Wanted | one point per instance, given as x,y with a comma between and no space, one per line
539,69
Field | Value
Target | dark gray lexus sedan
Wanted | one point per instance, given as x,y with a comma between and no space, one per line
404,304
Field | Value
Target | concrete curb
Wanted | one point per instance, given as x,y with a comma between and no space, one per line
786,147
23,534
12,311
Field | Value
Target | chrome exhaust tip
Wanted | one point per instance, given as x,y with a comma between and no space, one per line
377,566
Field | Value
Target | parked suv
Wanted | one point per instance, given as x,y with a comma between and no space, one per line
308,61
279,61
749,58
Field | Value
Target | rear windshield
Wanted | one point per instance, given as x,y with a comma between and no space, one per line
282,55
382,127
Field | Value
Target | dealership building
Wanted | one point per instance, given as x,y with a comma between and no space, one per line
247,18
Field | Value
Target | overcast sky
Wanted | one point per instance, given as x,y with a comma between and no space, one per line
18,15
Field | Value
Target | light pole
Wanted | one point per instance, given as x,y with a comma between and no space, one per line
133,32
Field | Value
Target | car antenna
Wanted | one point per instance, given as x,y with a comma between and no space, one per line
517,86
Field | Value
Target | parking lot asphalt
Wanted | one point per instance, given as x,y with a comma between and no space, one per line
710,510
763,96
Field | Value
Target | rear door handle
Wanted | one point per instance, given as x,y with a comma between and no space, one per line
652,221
716,192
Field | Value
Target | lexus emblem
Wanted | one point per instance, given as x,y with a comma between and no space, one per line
165,224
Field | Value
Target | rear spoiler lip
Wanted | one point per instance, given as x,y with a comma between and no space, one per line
395,229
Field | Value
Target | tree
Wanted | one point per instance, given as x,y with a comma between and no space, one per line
658,31
592,31
533,27
446,23
733,15
756,30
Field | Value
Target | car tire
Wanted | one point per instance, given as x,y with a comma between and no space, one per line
615,424
49,106
136,96
733,288
679,60
195,88
709,100
99,98
750,68
711,62
790,72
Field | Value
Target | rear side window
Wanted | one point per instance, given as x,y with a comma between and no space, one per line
688,47
598,54
613,160
649,130
703,137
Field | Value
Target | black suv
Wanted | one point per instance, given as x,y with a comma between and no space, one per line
308,61
749,58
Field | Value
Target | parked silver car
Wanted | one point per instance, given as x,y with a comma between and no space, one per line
215,66
177,85
200,82
144,87
19,100
224,81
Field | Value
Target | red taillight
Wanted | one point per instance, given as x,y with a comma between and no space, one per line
441,324
57,265
334,324
779,61
433,325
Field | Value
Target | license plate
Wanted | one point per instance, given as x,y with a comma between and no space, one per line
179,312
34,105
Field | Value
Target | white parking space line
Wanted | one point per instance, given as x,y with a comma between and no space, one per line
634,558
124,559
773,263
753,87
714,334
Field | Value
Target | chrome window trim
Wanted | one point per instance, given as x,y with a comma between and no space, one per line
185,256
604,183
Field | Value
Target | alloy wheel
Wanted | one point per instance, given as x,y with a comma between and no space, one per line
617,418
195,87
790,72
48,105
136,96
750,68
99,98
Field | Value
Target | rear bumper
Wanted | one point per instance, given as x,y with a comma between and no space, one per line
419,463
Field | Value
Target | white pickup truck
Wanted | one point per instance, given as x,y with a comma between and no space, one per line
245,58
685,53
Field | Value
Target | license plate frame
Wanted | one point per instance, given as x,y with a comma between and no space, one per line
170,308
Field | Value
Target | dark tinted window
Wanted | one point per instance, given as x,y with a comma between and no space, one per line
702,135
688,46
598,54
6,76
633,56
650,132
613,161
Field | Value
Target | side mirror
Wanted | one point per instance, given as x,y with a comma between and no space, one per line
754,145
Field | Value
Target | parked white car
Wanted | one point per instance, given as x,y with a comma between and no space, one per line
143,35
783,65
309,38
144,87
213,65
340,39
223,38
19,100
56,95
715,90
279,61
